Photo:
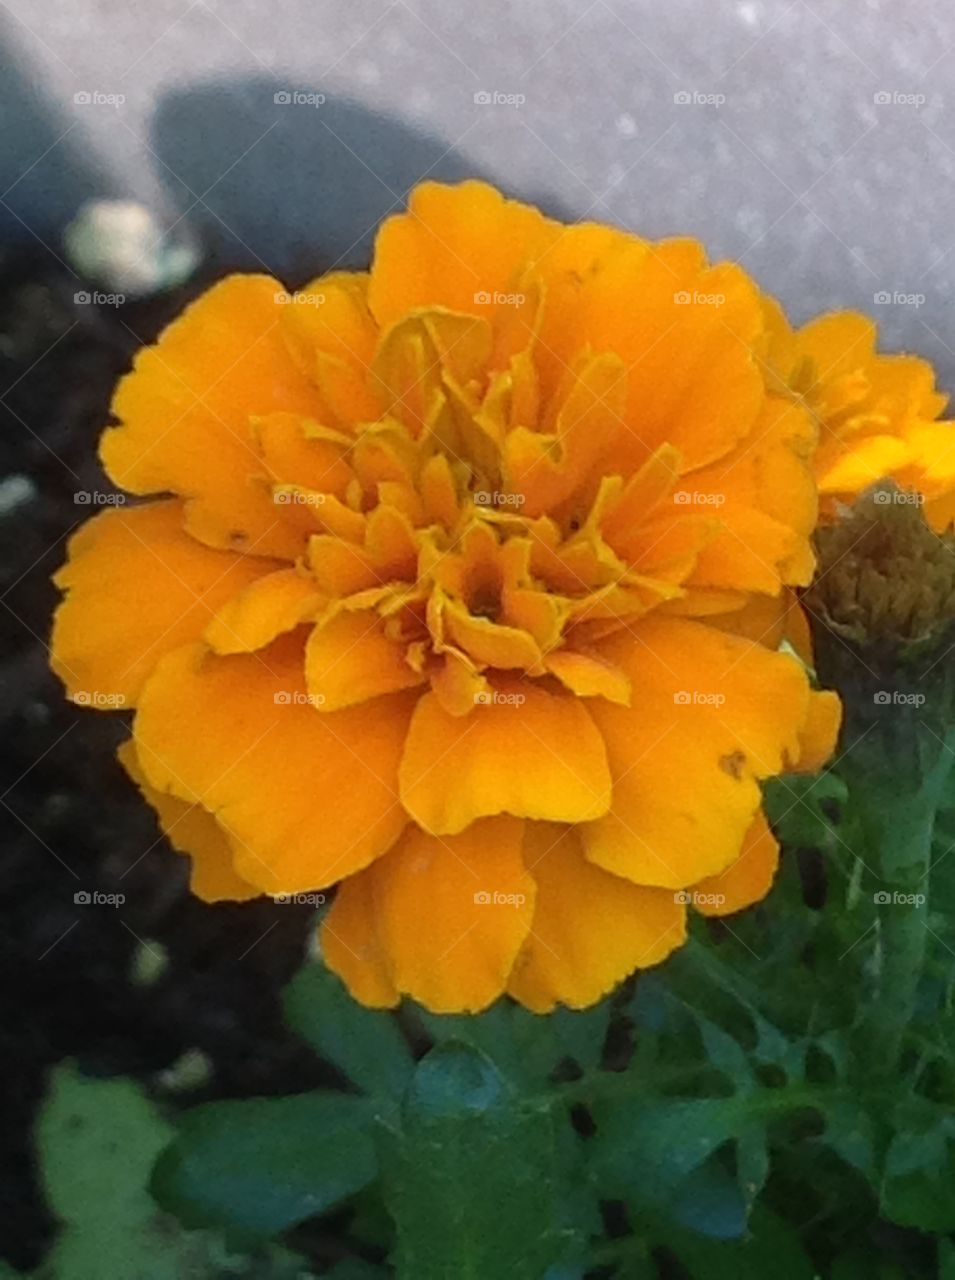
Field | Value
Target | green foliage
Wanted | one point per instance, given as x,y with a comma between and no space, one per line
471,1174
732,1114
261,1165
97,1141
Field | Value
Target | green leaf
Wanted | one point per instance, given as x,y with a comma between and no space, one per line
470,1175
366,1044
918,1189
262,1165
525,1046
799,807
97,1140
771,1248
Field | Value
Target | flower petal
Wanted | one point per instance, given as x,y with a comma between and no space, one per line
448,917
746,880
185,415
307,798
349,659
459,247
272,605
351,946
193,831
537,758
712,714
590,929
819,734
137,587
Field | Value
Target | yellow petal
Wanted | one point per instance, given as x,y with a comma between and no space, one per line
137,586
746,880
306,797
331,335
540,757
272,605
712,714
589,676
459,247
590,929
192,830
352,948
185,415
448,917
820,732
349,659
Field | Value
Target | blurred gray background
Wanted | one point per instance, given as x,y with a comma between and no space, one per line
812,142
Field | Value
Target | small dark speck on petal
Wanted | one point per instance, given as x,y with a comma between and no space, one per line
733,764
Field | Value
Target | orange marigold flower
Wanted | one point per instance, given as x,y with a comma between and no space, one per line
458,600
877,415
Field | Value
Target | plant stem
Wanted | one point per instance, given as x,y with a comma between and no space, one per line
896,817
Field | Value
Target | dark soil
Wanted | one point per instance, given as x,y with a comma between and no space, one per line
72,821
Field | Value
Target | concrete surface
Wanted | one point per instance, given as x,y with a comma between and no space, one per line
811,141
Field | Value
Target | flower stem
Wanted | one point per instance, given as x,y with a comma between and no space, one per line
896,821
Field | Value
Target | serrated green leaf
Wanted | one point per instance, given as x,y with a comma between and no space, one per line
257,1167
525,1046
470,1174
365,1044
97,1141
770,1248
